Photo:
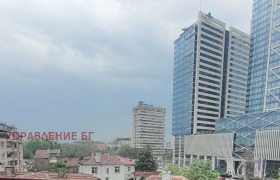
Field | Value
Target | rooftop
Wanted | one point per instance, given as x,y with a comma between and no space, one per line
105,159
43,154
46,175
70,162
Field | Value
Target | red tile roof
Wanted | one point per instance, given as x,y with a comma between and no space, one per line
43,154
106,159
70,162
126,161
145,174
43,175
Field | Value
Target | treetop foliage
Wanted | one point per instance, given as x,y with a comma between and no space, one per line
197,170
145,160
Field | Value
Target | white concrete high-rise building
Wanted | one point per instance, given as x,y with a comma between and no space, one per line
148,128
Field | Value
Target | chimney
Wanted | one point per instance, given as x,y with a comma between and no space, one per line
97,157
98,154
166,176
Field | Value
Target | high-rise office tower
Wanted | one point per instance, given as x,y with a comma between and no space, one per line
209,80
264,71
148,128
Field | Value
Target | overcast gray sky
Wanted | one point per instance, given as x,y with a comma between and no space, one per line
81,65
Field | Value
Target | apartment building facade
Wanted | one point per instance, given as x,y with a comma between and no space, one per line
207,83
11,152
149,128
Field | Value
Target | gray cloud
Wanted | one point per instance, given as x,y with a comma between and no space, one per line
86,63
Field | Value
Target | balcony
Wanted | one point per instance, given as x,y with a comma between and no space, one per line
12,156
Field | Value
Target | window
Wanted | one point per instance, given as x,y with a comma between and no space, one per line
107,171
128,169
117,169
94,170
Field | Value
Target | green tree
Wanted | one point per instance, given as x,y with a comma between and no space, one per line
201,170
145,160
113,150
197,170
127,151
69,150
78,149
30,147
176,170
58,167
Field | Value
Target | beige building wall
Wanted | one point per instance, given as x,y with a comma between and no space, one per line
149,128
11,151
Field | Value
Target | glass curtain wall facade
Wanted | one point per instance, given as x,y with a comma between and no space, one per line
245,128
256,138
264,71
183,88
272,93
197,77
183,81
206,59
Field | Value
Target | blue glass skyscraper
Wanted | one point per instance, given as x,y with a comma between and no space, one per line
264,71
183,81
209,78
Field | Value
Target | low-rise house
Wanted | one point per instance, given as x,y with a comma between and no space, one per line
46,175
45,158
107,167
71,164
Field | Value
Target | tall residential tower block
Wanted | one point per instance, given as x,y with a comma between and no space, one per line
149,128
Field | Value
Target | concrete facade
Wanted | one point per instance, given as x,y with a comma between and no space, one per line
149,128
11,152
235,79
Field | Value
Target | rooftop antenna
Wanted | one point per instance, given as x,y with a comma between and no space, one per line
200,5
